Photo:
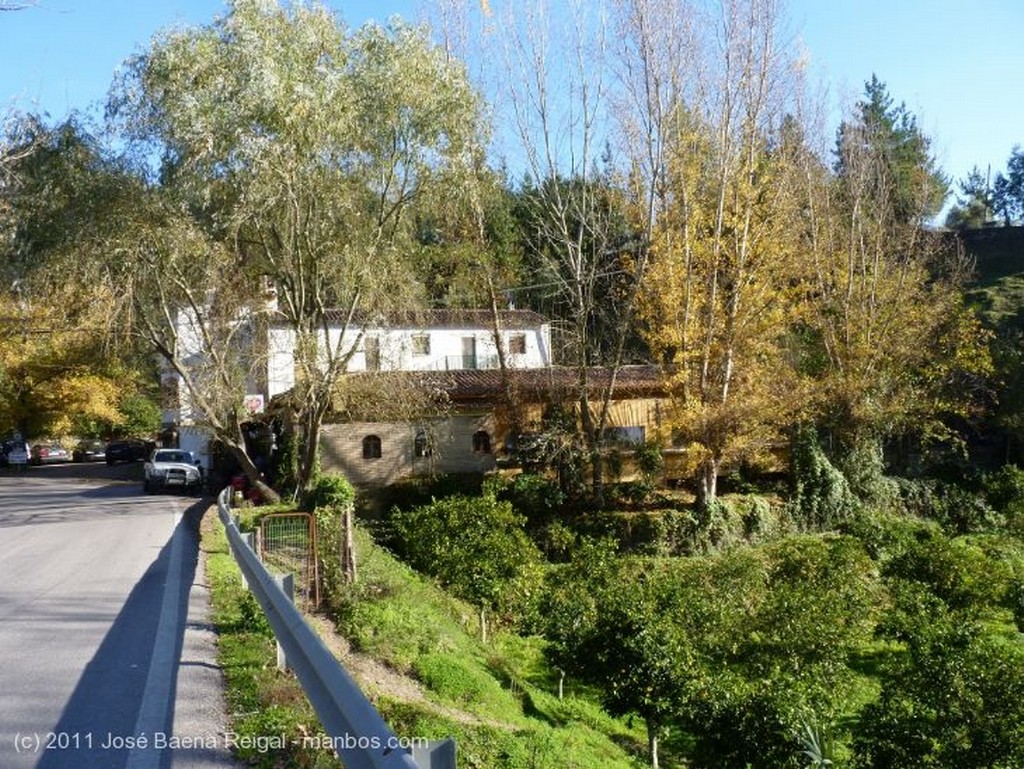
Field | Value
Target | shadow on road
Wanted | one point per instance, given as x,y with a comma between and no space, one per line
100,471
134,670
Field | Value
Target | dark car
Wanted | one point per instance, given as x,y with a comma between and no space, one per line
128,450
89,451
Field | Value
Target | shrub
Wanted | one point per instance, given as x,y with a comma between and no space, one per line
863,466
886,535
956,699
533,496
961,511
329,497
821,498
956,571
1004,487
476,547
330,490
1004,490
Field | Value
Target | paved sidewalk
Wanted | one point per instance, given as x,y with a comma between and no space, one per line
200,713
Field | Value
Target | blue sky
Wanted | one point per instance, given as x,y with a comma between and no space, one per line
956,64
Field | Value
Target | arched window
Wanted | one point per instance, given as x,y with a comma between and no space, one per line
481,442
421,446
371,447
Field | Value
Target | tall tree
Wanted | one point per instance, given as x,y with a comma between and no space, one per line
895,347
882,150
1008,190
557,74
723,283
307,148
58,369
975,204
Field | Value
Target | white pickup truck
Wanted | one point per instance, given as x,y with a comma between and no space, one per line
172,469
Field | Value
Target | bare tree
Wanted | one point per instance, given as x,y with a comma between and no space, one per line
556,75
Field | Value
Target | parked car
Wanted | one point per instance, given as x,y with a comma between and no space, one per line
89,450
14,452
172,469
49,453
128,450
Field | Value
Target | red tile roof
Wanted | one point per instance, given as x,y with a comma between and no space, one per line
485,386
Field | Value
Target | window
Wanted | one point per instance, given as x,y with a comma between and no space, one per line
421,446
421,344
517,344
481,442
624,435
371,447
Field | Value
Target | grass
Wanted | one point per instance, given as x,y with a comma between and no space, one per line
497,699
263,703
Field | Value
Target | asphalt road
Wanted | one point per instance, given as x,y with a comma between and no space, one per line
106,656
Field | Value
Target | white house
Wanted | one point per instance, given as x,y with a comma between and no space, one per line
428,340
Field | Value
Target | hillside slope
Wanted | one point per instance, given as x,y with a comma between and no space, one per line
418,653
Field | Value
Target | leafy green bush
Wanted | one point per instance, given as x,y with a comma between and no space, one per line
863,465
1005,486
330,490
1004,490
422,489
820,497
739,648
961,511
534,496
740,726
955,700
329,497
956,571
885,535
477,548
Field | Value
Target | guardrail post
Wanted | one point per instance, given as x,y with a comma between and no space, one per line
287,584
438,754
249,539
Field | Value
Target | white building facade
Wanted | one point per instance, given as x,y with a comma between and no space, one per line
430,340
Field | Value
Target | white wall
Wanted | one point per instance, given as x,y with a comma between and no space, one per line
396,347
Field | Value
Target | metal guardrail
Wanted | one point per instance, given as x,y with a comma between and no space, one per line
358,734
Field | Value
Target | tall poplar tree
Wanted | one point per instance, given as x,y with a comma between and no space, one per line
722,287
898,351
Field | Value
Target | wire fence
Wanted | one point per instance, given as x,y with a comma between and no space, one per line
287,545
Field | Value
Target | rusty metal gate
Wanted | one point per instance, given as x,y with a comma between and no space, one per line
286,544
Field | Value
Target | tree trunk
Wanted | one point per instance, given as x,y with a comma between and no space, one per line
594,442
652,743
707,485
252,473
310,421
